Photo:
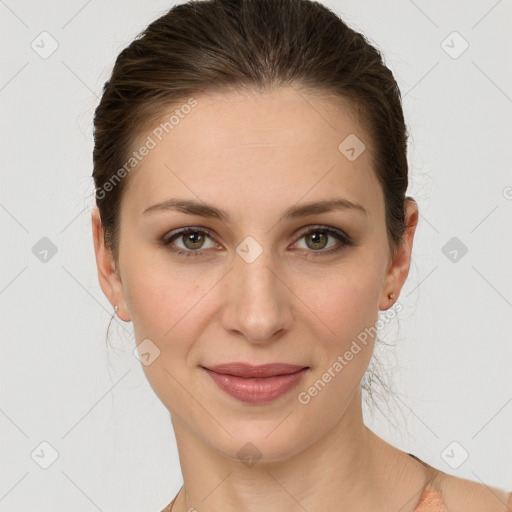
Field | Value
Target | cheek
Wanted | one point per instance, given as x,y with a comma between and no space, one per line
343,312
347,305
160,294
165,308
344,300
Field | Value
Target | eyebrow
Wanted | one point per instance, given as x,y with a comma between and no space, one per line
192,207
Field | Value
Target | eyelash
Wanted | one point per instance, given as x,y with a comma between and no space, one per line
339,235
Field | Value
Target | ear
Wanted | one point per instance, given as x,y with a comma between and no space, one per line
108,277
400,262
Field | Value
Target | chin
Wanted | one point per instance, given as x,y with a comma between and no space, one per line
261,441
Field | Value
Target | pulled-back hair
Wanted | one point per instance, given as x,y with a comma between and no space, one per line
223,45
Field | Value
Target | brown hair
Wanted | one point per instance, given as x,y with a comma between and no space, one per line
255,45
247,44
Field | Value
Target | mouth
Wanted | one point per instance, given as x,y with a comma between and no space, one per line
248,371
256,384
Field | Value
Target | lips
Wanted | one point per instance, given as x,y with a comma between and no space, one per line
250,371
256,384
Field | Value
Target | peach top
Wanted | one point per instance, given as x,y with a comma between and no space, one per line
430,500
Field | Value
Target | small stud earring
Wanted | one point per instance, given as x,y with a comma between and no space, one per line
391,296
115,309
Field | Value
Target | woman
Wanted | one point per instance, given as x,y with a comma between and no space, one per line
252,221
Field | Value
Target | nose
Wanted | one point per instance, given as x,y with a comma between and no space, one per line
257,300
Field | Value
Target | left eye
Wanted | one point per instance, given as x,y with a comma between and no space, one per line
316,239
319,236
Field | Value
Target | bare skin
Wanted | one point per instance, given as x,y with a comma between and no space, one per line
254,156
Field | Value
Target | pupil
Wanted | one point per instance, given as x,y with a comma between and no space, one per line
316,236
193,236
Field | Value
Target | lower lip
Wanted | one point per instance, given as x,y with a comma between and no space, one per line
256,390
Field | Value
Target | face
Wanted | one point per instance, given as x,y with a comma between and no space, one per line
256,285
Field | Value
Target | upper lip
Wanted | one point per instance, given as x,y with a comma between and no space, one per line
248,370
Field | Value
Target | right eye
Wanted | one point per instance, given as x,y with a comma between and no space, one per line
192,239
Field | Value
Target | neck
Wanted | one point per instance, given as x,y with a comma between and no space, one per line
348,469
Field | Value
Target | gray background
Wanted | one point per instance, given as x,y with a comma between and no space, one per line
59,384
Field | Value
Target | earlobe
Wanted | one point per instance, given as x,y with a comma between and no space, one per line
108,278
401,260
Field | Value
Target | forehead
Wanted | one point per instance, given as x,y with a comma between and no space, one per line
267,150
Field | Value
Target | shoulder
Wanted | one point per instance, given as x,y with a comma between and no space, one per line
168,508
462,495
